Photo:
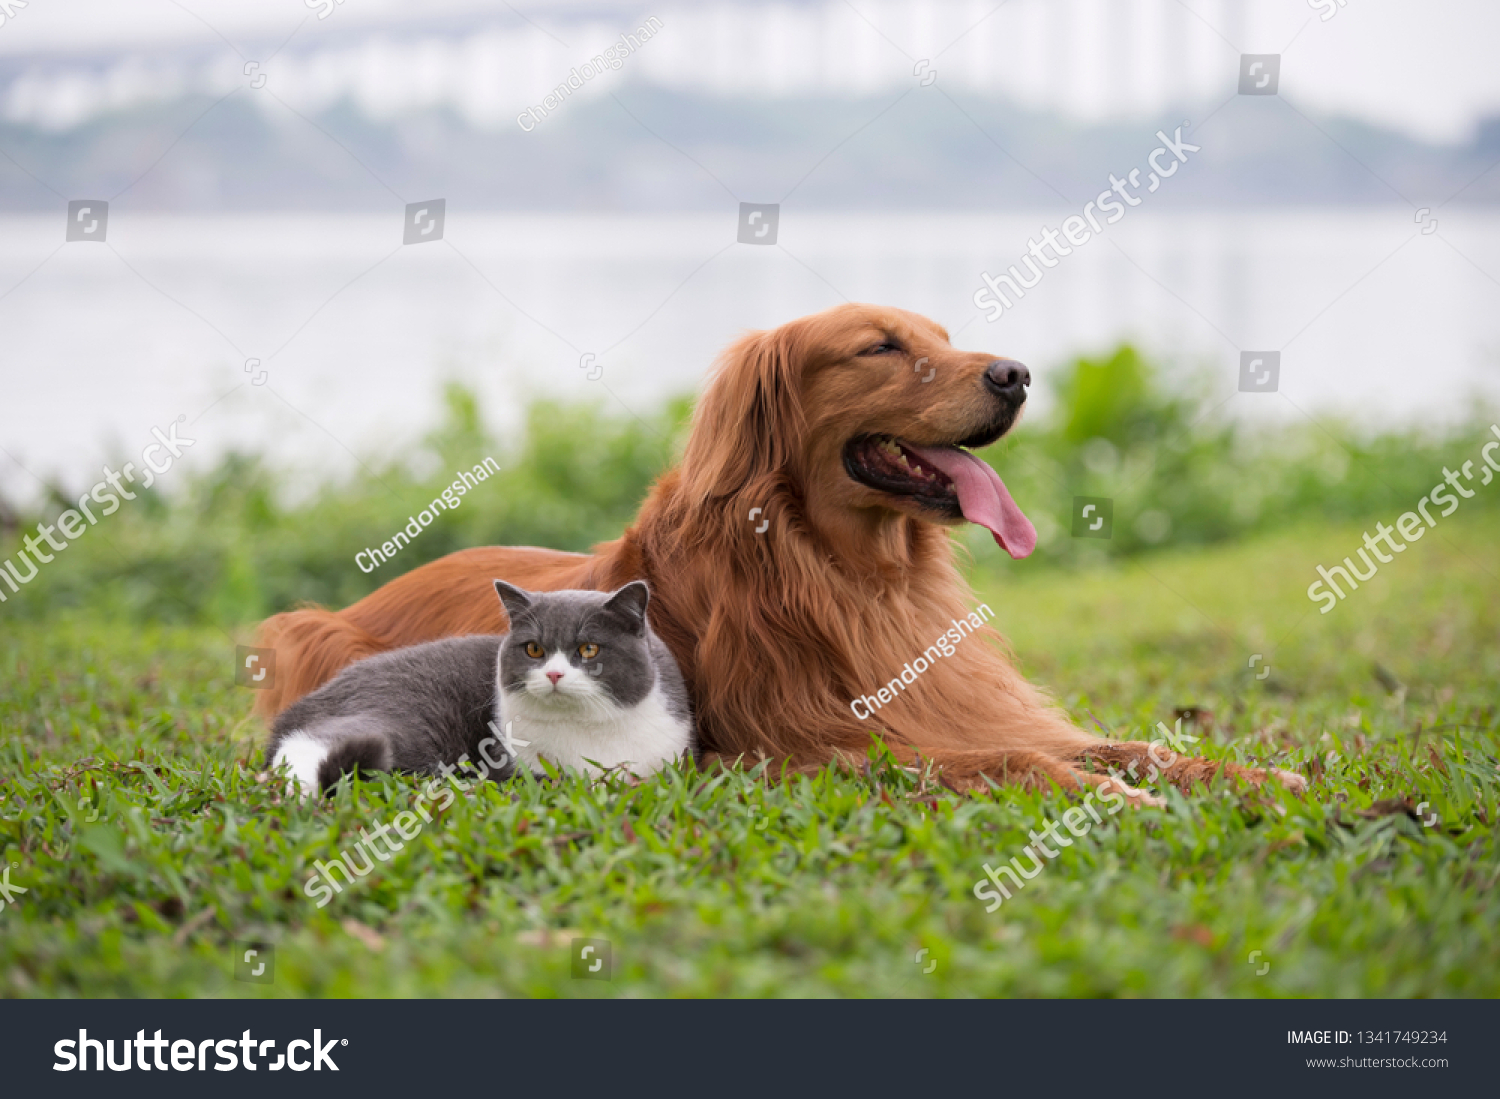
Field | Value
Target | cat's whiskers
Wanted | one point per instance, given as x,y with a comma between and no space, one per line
595,704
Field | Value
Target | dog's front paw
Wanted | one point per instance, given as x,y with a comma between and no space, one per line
1136,799
1141,799
1294,782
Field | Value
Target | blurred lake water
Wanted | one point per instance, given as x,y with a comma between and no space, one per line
355,333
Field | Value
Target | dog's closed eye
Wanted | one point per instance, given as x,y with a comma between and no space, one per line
885,348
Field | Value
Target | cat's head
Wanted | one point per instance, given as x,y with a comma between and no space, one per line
577,650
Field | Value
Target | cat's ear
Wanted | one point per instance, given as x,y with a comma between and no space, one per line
630,601
514,599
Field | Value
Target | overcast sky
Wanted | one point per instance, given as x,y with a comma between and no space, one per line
1426,68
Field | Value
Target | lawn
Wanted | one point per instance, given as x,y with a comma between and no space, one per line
135,813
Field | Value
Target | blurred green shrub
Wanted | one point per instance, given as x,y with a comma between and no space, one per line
1179,473
229,548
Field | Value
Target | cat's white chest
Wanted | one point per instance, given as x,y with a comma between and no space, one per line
641,739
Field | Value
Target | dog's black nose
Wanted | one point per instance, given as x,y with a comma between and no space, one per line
1008,378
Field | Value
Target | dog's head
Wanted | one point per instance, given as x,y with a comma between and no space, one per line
867,414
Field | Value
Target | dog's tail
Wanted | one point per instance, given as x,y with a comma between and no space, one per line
312,645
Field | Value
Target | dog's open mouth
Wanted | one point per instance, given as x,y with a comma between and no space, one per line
946,479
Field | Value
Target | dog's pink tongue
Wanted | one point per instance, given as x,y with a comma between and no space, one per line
983,497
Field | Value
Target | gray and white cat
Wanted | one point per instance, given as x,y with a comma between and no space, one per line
584,681
581,681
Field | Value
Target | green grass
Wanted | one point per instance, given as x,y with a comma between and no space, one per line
723,884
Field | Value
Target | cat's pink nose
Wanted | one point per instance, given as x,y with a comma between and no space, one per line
554,677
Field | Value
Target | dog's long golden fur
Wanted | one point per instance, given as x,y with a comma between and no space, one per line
777,631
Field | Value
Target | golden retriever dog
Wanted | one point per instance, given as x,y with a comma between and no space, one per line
801,569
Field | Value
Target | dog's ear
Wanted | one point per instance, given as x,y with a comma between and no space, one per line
514,599
749,422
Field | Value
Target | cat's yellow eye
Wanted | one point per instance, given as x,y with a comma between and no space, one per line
588,650
535,651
